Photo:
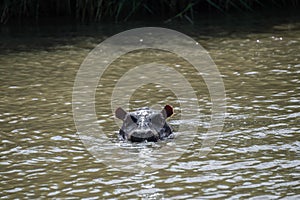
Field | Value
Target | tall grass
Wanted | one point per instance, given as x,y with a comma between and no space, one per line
123,10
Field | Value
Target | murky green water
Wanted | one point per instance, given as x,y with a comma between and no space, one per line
256,156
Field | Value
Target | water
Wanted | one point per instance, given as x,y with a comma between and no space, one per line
256,156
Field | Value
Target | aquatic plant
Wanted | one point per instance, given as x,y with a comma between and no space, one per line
123,10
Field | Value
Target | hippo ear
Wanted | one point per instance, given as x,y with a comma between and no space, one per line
167,111
120,113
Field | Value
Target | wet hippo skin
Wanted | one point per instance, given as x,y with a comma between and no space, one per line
145,124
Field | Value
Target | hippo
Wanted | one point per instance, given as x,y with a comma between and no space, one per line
145,124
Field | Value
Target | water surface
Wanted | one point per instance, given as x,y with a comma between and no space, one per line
257,155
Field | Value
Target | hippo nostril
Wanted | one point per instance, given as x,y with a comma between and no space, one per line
142,135
149,133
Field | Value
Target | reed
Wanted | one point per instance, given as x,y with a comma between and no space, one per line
123,10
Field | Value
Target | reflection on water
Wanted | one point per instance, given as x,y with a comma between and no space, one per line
257,154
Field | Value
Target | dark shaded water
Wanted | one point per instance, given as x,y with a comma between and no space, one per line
256,156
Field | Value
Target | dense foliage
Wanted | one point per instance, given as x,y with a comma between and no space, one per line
123,10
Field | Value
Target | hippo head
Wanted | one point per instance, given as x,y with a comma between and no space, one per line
145,124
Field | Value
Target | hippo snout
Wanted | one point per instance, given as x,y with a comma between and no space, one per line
142,135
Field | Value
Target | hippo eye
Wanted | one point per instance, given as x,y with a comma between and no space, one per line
134,118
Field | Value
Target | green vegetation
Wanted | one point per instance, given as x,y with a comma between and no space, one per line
123,10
